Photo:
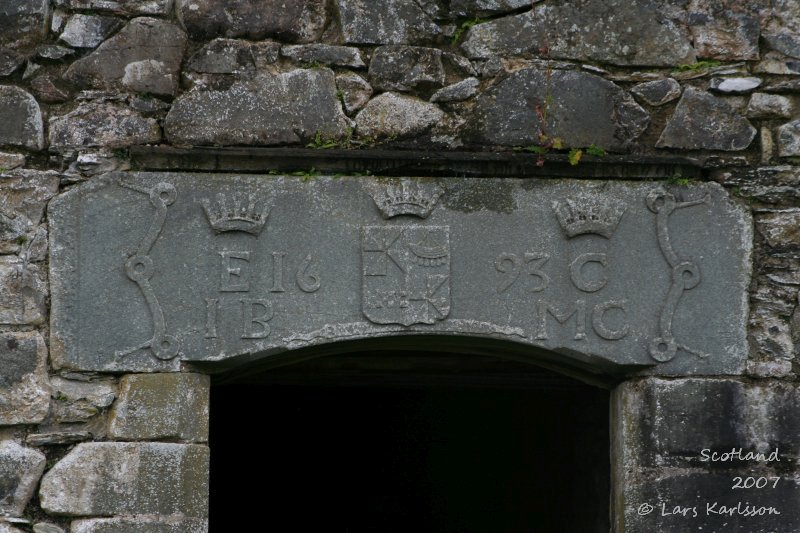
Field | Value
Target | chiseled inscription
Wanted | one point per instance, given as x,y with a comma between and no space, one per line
406,274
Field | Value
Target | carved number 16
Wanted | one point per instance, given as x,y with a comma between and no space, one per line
512,265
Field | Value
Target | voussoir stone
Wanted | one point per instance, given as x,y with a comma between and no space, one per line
406,68
20,470
269,109
386,22
130,61
161,406
139,524
621,32
396,115
581,109
24,393
115,478
23,22
702,121
107,124
287,20
21,119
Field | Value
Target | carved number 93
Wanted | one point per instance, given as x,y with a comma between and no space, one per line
512,265
757,482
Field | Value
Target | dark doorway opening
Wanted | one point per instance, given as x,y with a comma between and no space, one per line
409,442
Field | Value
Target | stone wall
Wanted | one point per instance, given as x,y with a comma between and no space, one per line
81,81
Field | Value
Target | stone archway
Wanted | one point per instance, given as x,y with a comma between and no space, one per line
410,440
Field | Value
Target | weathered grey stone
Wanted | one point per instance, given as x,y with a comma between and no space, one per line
23,196
395,115
57,21
780,228
96,163
702,121
658,92
10,61
770,335
331,292
777,63
406,68
21,119
770,185
621,32
725,30
22,292
24,393
87,31
287,20
270,109
734,85
767,145
53,51
121,7
224,56
77,401
57,438
458,64
763,105
140,524
581,109
166,406
113,478
355,91
781,27
789,139
20,470
457,92
386,22
770,369
341,56
30,69
47,91
129,61
10,161
784,87
104,124
45,527
482,8
23,22
720,417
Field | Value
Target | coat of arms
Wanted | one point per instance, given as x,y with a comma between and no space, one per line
406,274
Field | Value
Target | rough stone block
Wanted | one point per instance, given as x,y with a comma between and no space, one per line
781,27
129,61
23,291
78,401
780,228
20,470
386,22
120,7
112,478
24,393
287,20
581,109
587,30
87,31
482,8
270,109
141,524
658,92
340,56
789,139
396,115
102,124
23,23
704,122
763,105
21,119
406,68
457,92
224,56
23,196
161,406
726,31
356,92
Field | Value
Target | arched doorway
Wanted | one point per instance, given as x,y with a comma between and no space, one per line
409,441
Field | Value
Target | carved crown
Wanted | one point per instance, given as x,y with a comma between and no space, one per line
589,214
236,214
407,198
